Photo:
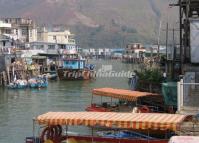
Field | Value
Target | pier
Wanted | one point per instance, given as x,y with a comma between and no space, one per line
19,70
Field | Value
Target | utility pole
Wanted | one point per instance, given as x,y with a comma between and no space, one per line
181,49
167,33
160,26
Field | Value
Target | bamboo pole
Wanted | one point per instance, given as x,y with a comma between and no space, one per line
1,78
4,78
8,74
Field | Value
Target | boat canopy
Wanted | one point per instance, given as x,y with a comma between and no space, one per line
121,93
139,121
184,139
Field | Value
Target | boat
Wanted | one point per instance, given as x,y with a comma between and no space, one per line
121,100
52,76
18,84
38,82
54,126
124,134
74,67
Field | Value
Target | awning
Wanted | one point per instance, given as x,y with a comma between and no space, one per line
138,121
120,93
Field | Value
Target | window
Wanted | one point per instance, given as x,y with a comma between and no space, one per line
4,43
16,31
54,38
24,31
62,46
51,47
71,41
39,47
30,33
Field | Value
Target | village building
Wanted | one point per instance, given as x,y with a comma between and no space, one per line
22,29
5,40
135,50
54,42
5,28
134,53
61,37
5,43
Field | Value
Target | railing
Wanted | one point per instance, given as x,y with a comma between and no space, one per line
188,95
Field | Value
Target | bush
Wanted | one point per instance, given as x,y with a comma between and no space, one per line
150,80
150,75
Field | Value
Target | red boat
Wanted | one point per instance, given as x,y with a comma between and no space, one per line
96,108
54,126
83,139
125,98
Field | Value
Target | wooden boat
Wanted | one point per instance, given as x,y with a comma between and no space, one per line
73,67
128,101
53,125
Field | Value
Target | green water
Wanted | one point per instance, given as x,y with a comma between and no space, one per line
18,107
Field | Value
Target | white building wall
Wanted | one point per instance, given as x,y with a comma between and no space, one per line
32,35
4,25
100,51
60,37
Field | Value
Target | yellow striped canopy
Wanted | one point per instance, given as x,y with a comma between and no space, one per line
114,120
120,93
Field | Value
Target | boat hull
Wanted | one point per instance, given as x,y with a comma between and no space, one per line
53,77
67,74
83,139
39,85
96,109
90,139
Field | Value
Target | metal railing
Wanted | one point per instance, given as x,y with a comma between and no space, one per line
188,95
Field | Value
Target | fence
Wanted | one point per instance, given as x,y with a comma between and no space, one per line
188,95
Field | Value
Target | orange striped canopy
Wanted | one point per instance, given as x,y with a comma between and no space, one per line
120,93
114,120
